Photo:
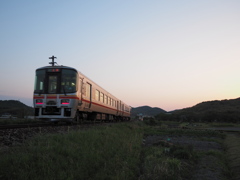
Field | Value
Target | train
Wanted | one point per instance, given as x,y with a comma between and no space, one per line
63,93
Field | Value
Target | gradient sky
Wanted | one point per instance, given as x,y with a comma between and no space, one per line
170,54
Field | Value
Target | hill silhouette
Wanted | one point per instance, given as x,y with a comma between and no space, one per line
15,108
218,105
146,110
208,111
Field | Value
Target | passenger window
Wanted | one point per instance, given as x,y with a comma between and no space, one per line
101,97
105,99
88,90
97,95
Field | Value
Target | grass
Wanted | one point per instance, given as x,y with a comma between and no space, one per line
161,162
177,162
187,132
223,124
98,153
113,152
232,144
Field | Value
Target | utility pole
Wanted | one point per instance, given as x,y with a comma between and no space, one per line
52,58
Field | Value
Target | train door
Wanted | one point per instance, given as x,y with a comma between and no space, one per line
80,91
117,107
53,83
88,97
121,108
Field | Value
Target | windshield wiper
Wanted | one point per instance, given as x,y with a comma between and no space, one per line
40,92
64,90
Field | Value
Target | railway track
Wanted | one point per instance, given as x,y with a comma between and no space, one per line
17,126
34,125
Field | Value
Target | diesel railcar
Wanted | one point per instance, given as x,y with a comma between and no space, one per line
63,93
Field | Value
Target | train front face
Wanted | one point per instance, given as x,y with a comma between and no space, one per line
56,93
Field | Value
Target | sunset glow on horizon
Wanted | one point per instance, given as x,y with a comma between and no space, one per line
166,54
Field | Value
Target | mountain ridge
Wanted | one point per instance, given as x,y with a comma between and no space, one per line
146,110
15,107
227,110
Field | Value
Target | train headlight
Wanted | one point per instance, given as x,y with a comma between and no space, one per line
39,101
65,101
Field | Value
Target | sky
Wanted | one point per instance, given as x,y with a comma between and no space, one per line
169,54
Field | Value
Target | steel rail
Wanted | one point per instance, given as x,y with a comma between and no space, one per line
17,126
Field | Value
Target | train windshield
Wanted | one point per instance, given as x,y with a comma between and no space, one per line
52,82
39,81
68,81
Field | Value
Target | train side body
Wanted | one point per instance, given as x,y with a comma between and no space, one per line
64,94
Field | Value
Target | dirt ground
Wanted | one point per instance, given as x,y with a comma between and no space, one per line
208,167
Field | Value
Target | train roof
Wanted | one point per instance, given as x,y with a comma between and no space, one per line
50,67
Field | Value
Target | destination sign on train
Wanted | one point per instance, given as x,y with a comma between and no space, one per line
54,70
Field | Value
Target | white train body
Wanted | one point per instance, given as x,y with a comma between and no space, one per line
64,94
